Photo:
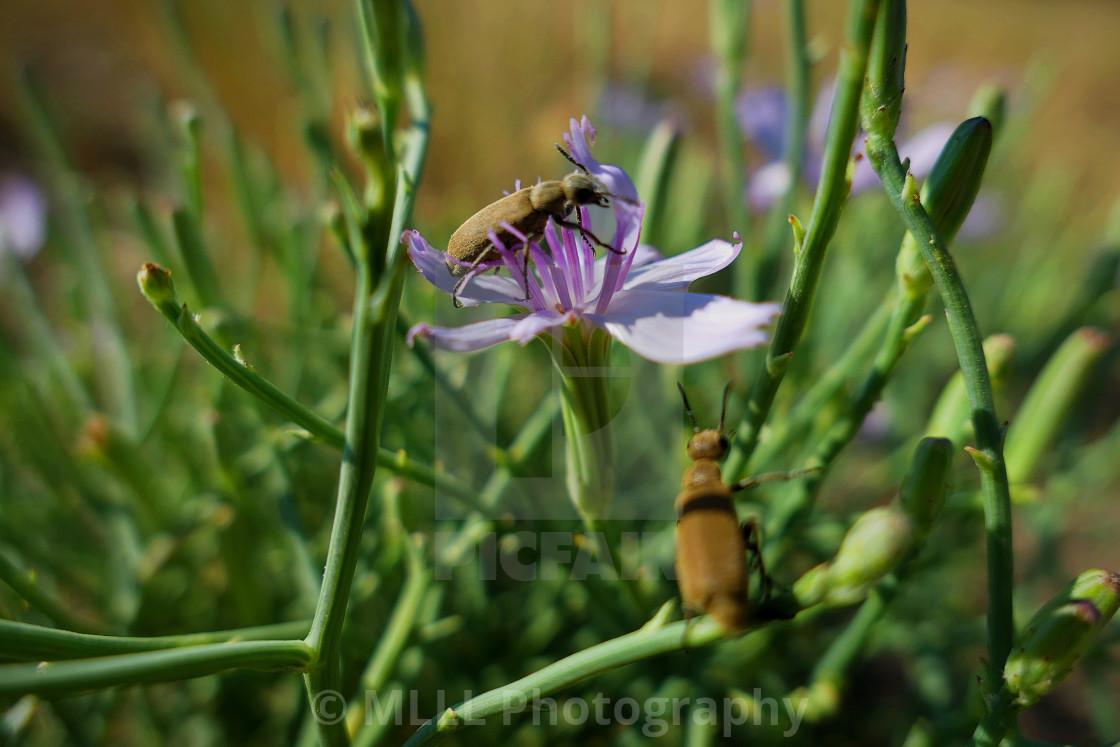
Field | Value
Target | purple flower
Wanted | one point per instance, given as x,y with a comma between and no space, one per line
23,216
763,114
637,297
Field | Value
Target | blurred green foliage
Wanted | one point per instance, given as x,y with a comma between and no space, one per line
141,494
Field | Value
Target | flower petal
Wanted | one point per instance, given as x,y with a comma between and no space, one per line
767,185
675,273
762,115
580,138
432,264
469,337
23,216
533,324
683,328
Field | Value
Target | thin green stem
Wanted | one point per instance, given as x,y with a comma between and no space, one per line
55,679
904,315
400,625
374,335
777,233
831,195
729,29
25,585
651,640
23,641
970,353
318,427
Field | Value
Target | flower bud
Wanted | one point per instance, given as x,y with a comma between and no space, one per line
813,586
871,548
881,102
1050,401
947,195
155,283
1059,633
926,484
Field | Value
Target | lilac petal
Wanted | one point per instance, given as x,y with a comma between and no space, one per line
675,273
618,266
469,337
763,114
537,322
767,185
682,328
644,254
23,216
432,264
580,138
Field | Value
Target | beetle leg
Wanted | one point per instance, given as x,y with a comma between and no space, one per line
582,231
525,266
587,233
689,617
750,482
471,272
752,543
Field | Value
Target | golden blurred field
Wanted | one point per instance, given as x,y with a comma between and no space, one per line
505,76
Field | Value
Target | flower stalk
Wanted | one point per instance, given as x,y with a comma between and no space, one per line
830,197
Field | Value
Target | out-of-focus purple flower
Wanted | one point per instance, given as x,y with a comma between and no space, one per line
763,115
632,109
23,216
638,298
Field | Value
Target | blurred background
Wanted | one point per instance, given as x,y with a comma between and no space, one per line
504,77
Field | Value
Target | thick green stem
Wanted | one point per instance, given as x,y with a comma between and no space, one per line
970,353
831,195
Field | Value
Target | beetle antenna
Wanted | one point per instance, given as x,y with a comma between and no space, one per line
723,410
569,156
688,408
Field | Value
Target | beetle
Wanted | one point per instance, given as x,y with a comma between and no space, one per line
526,211
712,569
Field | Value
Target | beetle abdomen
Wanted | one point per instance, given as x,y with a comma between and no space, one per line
472,239
711,570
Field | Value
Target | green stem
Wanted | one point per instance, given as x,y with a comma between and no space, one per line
245,377
24,584
23,641
400,625
55,679
970,352
905,313
373,339
651,640
831,195
729,30
1002,711
797,92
